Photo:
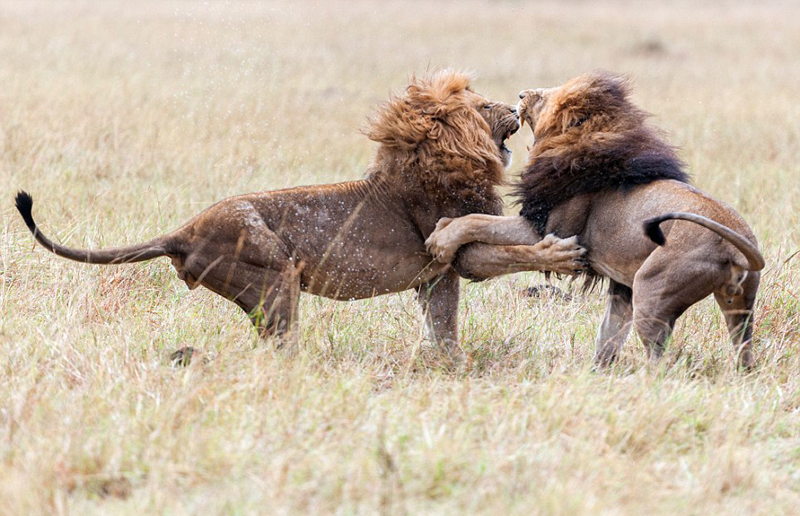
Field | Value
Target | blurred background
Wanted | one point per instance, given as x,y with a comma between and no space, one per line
262,95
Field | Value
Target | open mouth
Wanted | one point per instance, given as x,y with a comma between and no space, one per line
511,129
523,116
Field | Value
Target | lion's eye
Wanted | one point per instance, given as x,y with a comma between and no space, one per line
487,106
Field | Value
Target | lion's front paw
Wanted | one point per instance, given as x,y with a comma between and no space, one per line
563,255
442,248
443,243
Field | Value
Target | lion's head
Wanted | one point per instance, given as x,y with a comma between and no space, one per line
592,102
588,137
443,135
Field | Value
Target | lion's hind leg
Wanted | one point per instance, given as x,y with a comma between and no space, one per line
269,295
665,286
270,299
251,267
738,312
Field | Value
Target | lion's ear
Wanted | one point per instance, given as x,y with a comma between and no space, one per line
441,85
398,124
453,82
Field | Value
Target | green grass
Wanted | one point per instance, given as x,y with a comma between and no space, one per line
123,119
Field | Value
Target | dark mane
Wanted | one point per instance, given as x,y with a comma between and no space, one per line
607,144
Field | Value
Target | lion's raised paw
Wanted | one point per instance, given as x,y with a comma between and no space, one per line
564,255
442,244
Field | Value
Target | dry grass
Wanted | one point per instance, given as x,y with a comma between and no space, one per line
123,119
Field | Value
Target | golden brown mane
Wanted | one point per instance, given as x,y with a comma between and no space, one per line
589,137
432,136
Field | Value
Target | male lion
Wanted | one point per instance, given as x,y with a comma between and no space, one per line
441,154
597,170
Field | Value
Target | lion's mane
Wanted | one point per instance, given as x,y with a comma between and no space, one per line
431,137
589,137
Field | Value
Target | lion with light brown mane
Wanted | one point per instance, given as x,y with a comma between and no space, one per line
599,171
441,154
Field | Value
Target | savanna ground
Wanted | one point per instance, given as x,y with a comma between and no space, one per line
125,118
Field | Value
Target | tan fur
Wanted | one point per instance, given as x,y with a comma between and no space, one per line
441,154
584,122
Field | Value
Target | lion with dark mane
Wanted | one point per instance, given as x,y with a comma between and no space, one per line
599,171
441,154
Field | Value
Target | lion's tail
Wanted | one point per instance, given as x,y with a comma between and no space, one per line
162,246
748,249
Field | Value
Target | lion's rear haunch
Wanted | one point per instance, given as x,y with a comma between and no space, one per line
754,259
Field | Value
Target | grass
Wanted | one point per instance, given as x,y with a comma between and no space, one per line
125,118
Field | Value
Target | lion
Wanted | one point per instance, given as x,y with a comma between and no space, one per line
598,170
441,154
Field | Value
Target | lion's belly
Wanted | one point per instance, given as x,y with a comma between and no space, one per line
610,271
348,248
376,274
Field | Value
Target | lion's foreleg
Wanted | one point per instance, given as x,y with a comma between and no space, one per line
482,261
439,301
450,234
616,324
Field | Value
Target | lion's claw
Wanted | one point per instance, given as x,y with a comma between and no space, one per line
564,255
443,223
442,244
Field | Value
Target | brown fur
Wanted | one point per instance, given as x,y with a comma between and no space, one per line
598,171
441,154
